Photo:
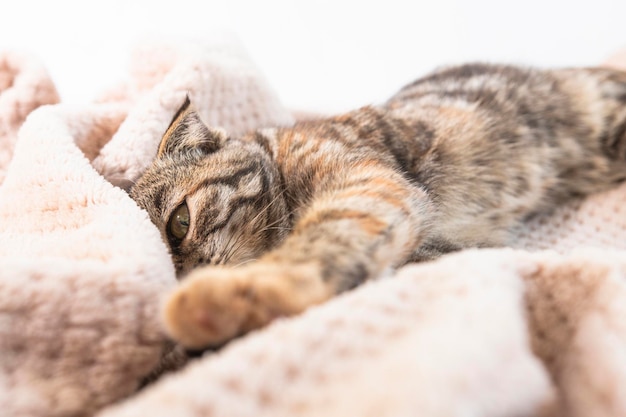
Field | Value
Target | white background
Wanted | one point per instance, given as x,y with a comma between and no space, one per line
322,55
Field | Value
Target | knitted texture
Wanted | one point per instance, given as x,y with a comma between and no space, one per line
82,274
532,330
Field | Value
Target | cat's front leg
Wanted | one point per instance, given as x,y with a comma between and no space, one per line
359,226
215,304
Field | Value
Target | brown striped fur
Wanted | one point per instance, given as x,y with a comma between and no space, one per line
288,217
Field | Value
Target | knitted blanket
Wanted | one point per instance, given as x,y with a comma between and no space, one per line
535,329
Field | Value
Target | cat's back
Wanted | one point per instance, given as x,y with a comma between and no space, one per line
510,95
485,141
452,124
473,105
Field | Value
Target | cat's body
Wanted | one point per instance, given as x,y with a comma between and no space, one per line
454,160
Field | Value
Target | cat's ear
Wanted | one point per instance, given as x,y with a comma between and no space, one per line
188,132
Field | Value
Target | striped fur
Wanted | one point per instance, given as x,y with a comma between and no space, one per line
288,217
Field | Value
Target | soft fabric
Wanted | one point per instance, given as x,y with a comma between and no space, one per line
536,329
24,86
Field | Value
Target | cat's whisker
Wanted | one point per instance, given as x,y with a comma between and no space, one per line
232,249
286,229
232,237
242,263
238,242
275,222
264,209
229,249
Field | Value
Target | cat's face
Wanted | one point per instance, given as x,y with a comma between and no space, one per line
215,200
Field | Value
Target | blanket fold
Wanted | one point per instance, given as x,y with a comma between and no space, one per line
532,330
24,86
83,271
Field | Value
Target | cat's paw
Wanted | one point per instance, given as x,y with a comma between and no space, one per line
213,305
208,308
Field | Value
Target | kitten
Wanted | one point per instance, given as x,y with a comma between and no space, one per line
289,217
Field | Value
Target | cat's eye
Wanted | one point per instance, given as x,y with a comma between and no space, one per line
178,225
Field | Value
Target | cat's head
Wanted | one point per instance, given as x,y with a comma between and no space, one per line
215,199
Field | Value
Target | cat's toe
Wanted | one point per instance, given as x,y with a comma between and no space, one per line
203,313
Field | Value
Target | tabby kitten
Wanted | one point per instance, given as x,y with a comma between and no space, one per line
289,217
